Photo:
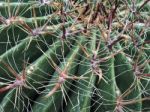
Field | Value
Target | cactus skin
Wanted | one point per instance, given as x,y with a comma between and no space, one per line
74,56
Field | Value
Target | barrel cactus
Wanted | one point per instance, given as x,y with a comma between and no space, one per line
74,56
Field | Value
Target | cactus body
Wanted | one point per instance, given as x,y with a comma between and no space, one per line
74,56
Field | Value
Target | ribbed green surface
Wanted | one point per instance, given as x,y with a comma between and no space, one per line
74,56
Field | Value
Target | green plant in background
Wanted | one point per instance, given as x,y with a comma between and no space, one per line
74,56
